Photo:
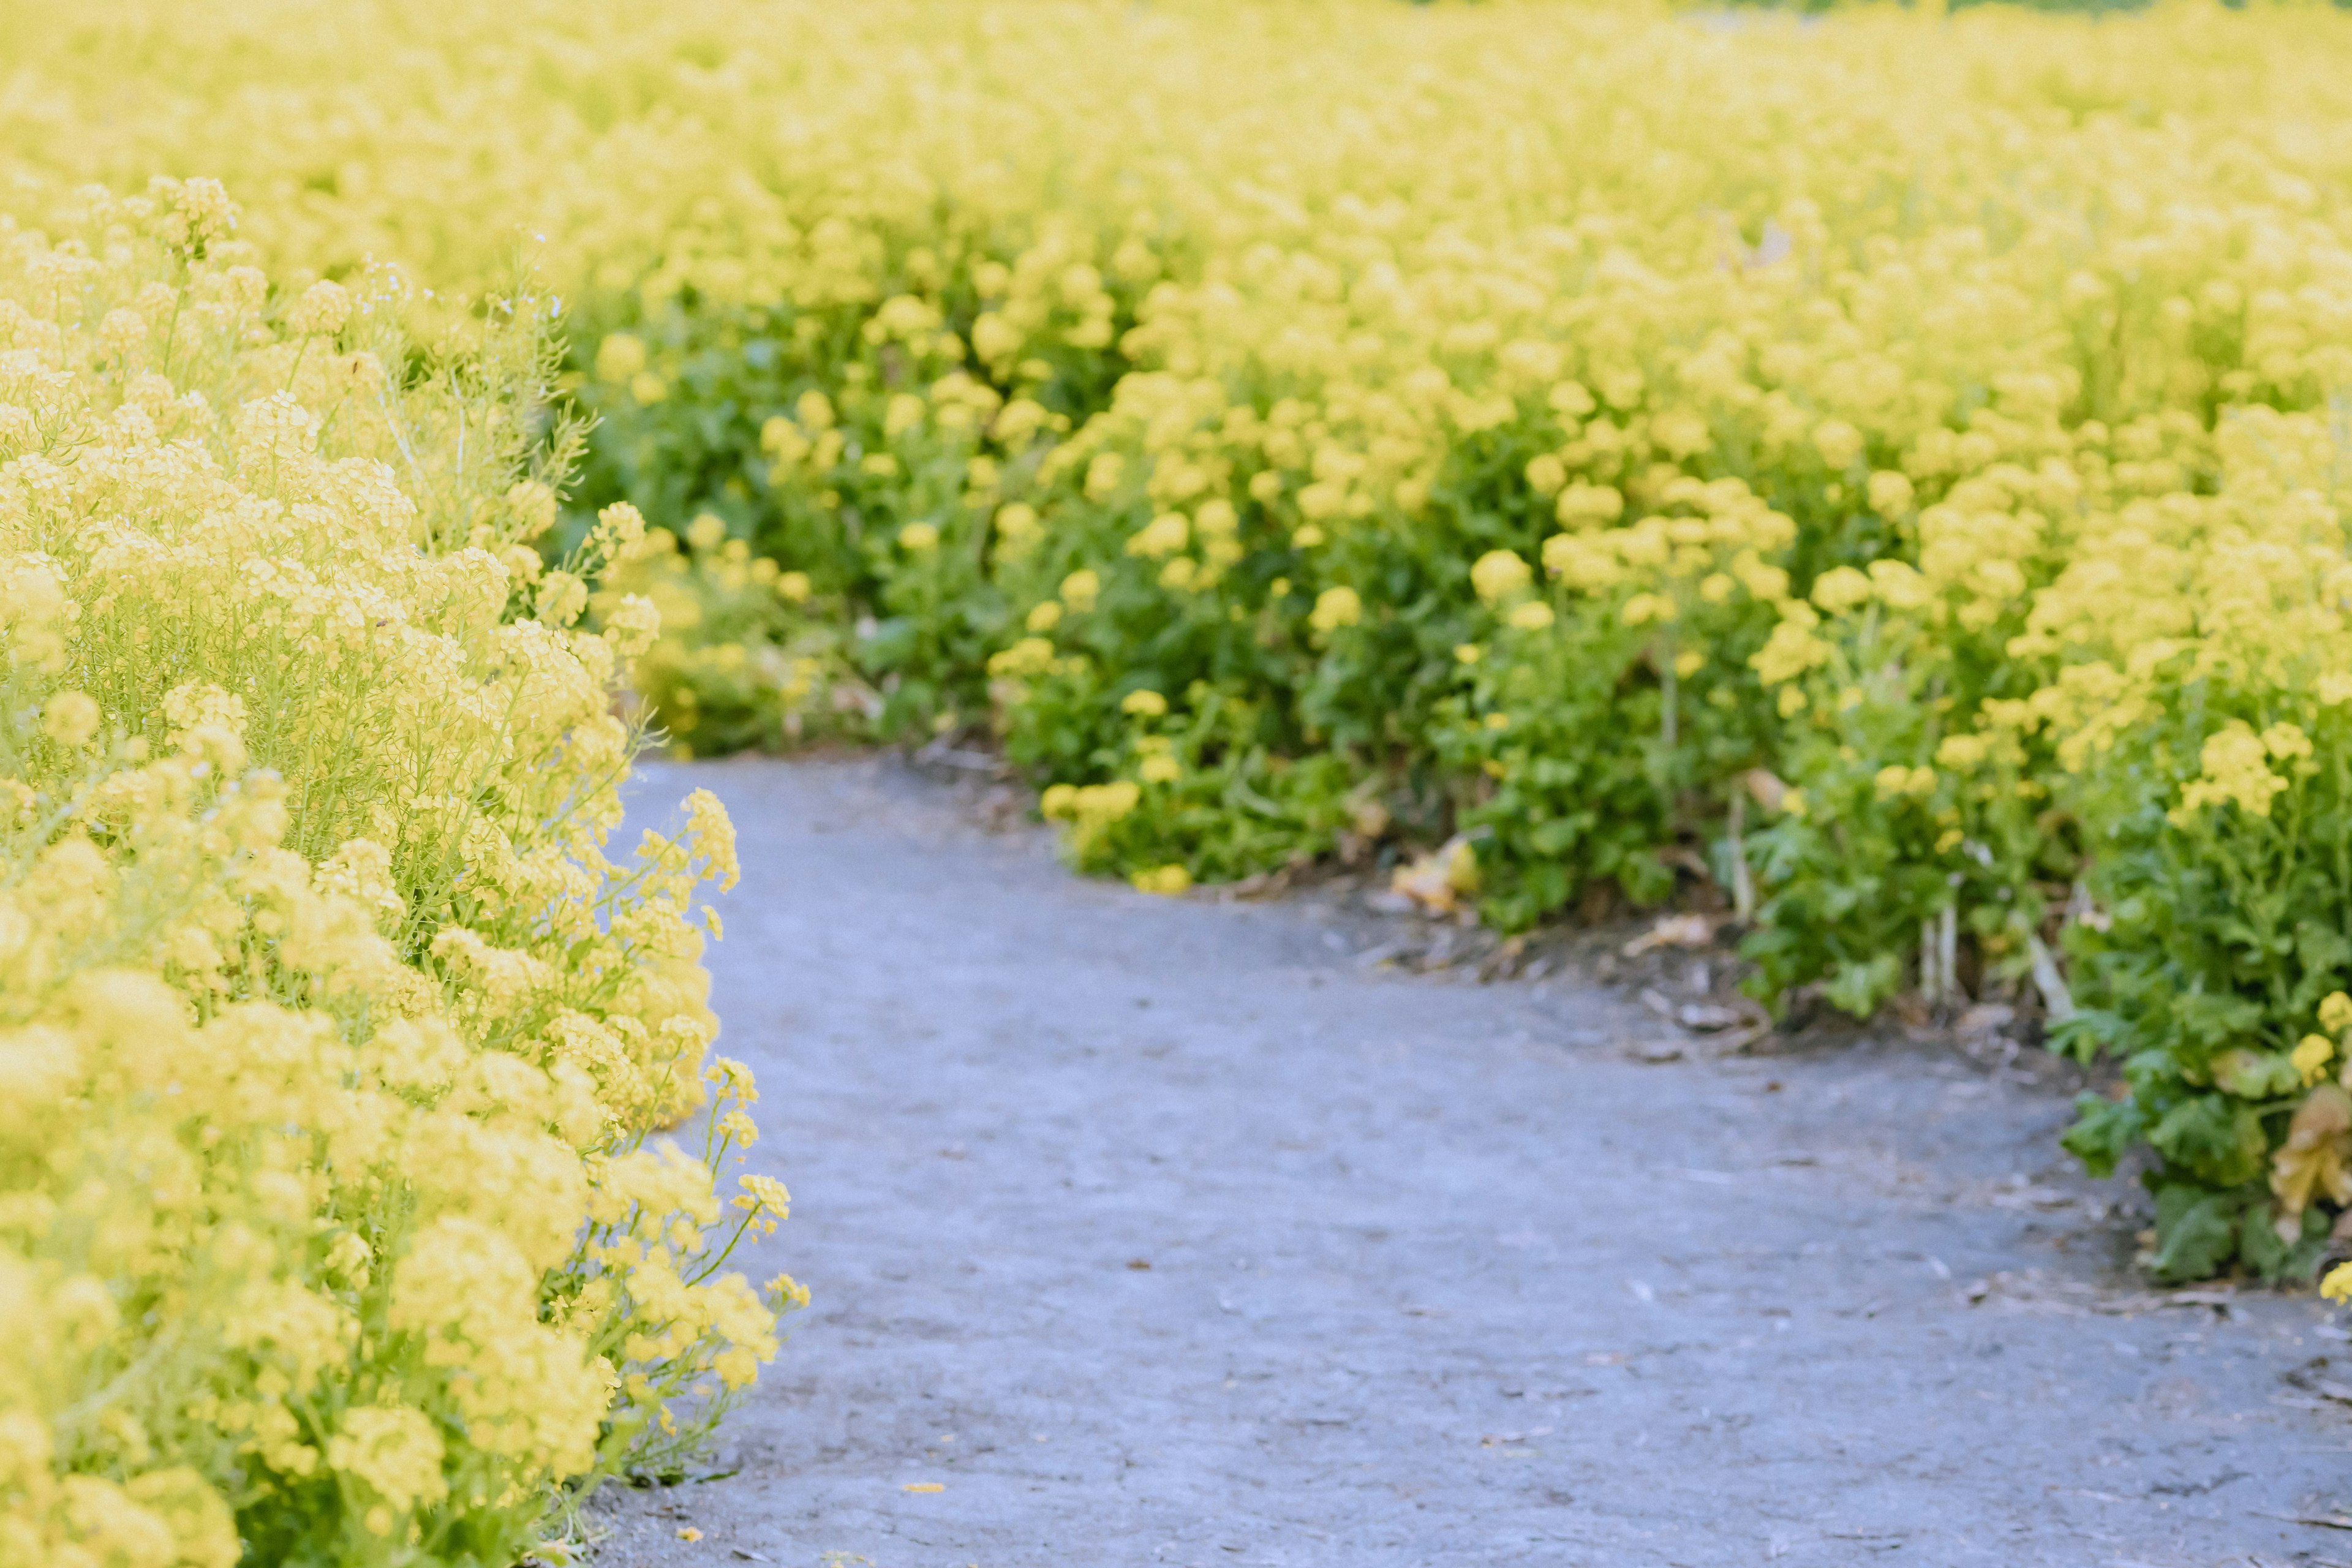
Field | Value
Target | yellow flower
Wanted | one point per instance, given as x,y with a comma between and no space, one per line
2337,1286
2336,1012
1104,475
320,310
1018,526
70,719
1165,535
1841,588
1583,504
1334,608
2311,1056
1960,752
1143,703
396,1452
1643,609
620,357
2286,742
1499,574
1165,880
765,1193
2236,771
1839,443
1029,656
1791,649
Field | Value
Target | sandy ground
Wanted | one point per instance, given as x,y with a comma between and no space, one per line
1153,1231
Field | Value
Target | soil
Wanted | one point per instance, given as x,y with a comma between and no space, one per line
1189,1231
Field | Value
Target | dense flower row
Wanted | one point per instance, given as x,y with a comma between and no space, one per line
332,1228
1902,484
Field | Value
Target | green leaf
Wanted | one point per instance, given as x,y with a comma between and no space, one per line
1859,988
2267,1253
2212,1019
2104,1132
2085,1035
2196,1230
2256,1075
2322,947
2216,1140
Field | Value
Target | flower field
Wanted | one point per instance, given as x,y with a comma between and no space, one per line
1889,467
332,1039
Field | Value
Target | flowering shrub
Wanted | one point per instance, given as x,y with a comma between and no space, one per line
744,658
2203,740
333,1225
1621,446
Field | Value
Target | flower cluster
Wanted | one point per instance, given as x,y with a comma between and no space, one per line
335,1220
742,658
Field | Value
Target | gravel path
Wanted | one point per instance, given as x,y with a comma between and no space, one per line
1160,1231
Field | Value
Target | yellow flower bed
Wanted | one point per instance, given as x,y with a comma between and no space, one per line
1885,464
332,1047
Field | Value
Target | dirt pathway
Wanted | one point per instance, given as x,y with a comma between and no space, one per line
1164,1232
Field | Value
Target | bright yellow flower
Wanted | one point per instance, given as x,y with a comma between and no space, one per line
1334,608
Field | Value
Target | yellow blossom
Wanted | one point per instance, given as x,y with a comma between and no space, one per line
1168,880
2311,1056
2236,771
1334,608
1499,574
70,719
